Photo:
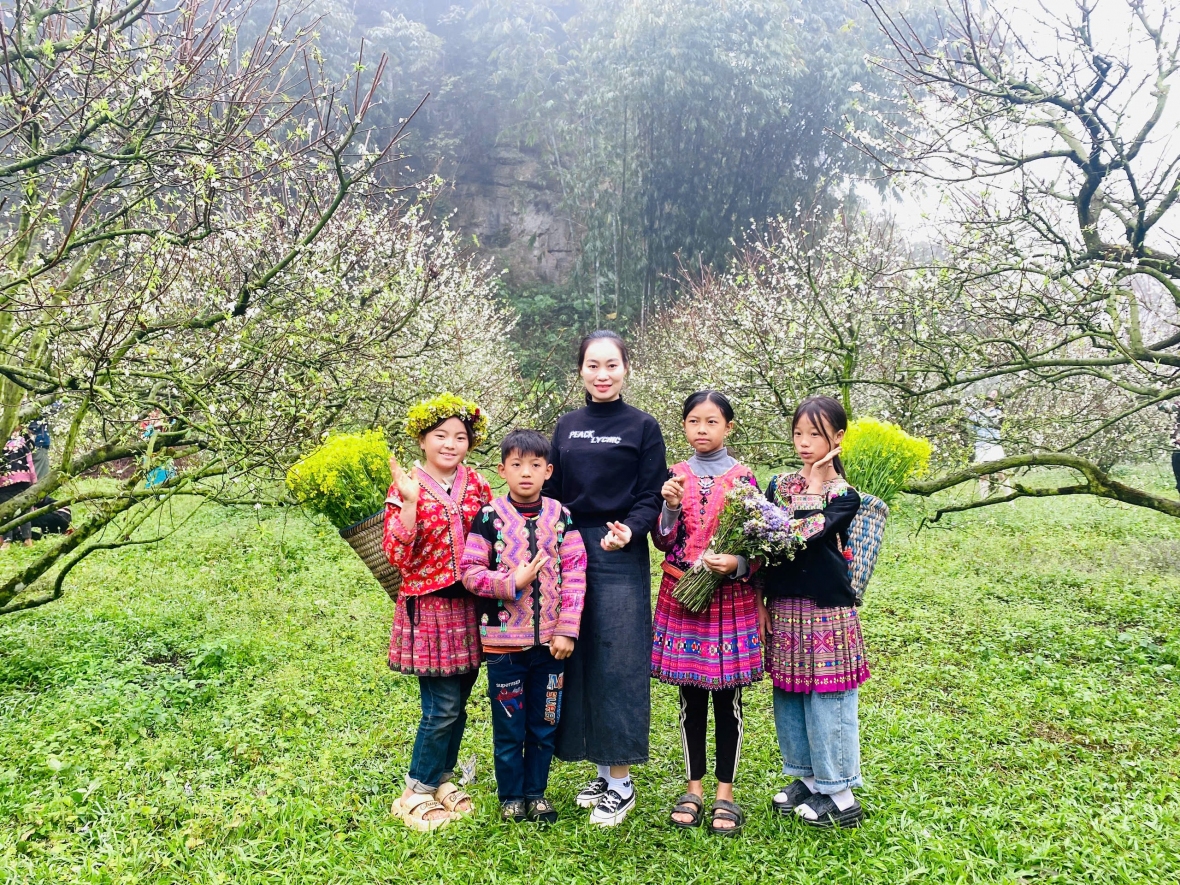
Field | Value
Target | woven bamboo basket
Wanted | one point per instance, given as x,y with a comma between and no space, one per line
365,538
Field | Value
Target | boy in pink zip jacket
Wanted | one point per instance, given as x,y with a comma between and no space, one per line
528,565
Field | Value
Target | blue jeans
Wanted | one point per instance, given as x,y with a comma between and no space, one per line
819,736
525,691
444,716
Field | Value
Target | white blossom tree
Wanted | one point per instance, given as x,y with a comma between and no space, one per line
199,270
1046,132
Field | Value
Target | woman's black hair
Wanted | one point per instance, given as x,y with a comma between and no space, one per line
604,335
469,423
720,400
823,412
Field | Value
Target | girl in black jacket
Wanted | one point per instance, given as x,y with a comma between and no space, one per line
815,652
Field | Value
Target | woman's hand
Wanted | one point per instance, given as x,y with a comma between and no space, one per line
720,563
526,572
618,536
764,630
673,491
407,485
561,647
822,471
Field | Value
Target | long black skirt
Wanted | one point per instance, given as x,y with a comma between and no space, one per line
606,708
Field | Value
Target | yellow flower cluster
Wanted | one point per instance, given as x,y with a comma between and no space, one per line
879,457
346,479
430,412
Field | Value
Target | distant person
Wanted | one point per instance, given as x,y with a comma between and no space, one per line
526,561
713,654
17,473
986,422
1173,408
39,431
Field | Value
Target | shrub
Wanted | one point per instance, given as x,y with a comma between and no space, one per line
346,479
879,457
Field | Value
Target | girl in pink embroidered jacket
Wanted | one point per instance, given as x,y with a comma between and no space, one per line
815,654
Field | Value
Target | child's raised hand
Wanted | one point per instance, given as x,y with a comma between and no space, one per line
561,647
526,572
822,471
618,536
673,490
407,485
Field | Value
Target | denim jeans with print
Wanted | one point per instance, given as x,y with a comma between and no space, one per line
819,735
444,717
525,691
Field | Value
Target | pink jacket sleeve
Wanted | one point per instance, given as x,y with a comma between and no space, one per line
573,584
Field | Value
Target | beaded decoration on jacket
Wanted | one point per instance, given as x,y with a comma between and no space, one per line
704,499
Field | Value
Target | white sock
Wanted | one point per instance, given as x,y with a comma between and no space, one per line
809,782
843,801
603,771
621,785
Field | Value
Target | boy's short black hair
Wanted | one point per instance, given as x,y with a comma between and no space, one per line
526,443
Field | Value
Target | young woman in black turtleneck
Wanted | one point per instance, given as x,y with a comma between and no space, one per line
608,468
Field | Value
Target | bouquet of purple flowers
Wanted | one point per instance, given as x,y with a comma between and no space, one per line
748,526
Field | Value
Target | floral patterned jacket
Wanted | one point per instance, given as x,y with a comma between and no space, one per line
819,571
500,540
428,557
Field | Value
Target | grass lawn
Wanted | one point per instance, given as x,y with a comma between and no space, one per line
218,709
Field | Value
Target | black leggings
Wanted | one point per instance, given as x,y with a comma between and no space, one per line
727,730
25,529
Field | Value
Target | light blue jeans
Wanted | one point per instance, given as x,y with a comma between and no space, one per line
819,736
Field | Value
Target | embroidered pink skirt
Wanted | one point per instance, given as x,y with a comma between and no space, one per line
434,636
715,649
815,649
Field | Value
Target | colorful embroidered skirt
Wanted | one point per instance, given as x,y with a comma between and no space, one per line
815,649
434,636
717,648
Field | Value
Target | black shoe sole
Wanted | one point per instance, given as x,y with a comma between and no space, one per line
845,820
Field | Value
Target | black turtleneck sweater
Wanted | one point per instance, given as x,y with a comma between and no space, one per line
608,464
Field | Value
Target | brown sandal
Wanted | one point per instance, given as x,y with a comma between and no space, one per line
452,797
413,811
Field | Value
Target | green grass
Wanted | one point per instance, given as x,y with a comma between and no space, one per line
219,710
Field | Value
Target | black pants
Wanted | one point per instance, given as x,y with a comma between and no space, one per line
1176,467
25,530
727,730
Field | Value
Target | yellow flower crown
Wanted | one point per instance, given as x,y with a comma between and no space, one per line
432,412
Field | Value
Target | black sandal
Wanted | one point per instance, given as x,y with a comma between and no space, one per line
797,794
512,810
724,810
691,804
541,811
829,817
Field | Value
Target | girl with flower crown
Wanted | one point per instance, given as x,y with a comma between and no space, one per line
428,514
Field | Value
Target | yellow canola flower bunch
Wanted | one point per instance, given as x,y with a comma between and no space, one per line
430,412
880,457
346,479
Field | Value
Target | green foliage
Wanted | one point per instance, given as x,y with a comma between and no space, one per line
346,479
879,457
1024,673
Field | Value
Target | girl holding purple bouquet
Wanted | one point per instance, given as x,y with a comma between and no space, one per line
713,653
815,653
